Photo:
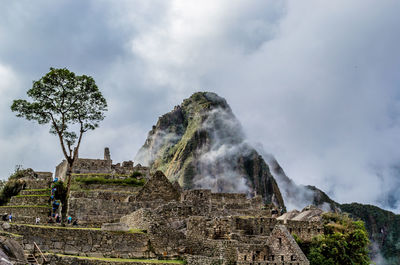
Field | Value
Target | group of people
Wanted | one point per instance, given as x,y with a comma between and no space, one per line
54,217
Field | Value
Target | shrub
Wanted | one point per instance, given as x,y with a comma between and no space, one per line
136,174
344,241
11,188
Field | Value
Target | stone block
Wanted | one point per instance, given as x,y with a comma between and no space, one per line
115,227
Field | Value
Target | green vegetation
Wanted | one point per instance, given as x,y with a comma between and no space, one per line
105,175
10,234
18,174
26,206
34,195
12,187
136,174
383,227
155,261
345,242
101,180
44,190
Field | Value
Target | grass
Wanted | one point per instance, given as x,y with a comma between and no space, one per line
26,206
100,180
34,195
155,261
38,190
131,231
11,234
98,175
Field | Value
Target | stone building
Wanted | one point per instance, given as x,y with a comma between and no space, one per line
100,166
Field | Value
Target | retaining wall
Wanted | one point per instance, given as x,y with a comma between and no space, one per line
82,242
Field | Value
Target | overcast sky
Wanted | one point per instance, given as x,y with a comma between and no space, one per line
315,83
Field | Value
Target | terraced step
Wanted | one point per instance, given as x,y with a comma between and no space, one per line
26,213
29,200
38,184
71,259
36,192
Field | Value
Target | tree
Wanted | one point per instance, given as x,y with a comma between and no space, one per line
344,242
71,104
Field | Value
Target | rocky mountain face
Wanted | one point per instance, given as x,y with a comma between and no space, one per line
201,144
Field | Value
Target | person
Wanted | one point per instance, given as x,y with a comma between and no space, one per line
69,219
10,217
37,221
50,221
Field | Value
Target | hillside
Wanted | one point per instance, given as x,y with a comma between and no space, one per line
201,144
384,230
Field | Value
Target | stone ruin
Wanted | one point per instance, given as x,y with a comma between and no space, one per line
158,220
101,166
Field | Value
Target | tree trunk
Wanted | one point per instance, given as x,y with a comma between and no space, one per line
64,210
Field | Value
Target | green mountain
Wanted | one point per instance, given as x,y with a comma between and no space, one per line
383,228
201,144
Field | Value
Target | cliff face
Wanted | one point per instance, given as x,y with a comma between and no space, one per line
201,145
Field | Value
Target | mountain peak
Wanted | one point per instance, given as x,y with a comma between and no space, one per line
201,144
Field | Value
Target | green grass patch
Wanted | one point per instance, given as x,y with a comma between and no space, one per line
98,175
33,195
26,206
155,261
38,190
101,180
10,234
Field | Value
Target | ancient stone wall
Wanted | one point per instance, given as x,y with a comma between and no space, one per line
253,254
284,249
61,170
202,260
95,211
84,166
196,197
158,187
26,214
82,241
305,230
29,200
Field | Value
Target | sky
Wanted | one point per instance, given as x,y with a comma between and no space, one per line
315,83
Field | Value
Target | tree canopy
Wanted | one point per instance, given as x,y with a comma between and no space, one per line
64,100
344,242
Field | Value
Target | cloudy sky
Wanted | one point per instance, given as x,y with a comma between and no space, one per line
316,83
